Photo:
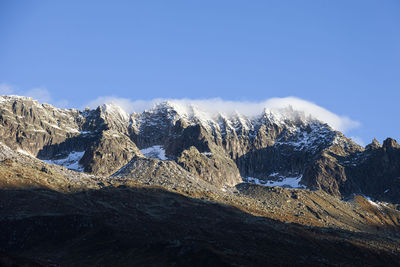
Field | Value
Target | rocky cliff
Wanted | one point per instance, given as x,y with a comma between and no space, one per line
175,186
221,149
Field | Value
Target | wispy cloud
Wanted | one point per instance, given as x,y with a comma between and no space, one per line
210,106
248,108
358,140
342,123
125,103
43,95
6,89
40,94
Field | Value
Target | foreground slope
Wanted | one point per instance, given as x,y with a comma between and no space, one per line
51,215
153,227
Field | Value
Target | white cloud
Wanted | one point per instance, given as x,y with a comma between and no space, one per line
126,104
40,94
208,106
248,108
43,95
61,103
338,122
358,140
6,89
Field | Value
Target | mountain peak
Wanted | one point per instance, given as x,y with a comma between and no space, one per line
114,111
390,143
374,145
4,98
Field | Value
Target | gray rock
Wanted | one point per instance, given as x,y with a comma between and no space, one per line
213,167
219,149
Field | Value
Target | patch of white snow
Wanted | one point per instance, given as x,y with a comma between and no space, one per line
154,152
373,203
71,161
115,111
289,182
26,153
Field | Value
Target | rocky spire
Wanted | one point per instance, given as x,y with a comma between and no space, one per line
390,143
374,145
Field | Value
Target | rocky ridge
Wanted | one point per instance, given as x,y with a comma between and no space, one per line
165,188
154,212
218,148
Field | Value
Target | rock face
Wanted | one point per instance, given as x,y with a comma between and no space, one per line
167,174
27,125
215,168
220,149
51,133
109,153
182,209
376,172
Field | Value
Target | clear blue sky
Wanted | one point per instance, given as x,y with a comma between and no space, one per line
341,55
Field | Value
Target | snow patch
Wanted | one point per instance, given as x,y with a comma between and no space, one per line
288,182
279,109
26,153
373,203
377,204
115,111
71,161
154,152
72,130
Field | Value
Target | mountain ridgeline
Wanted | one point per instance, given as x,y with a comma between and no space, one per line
220,150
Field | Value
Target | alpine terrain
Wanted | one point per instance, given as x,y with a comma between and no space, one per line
177,185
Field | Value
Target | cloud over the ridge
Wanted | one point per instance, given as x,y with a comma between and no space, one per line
358,140
6,89
248,108
40,94
43,95
342,123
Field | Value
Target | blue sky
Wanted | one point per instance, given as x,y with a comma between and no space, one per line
341,55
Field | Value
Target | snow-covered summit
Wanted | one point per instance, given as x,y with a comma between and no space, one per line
224,119
115,111
7,98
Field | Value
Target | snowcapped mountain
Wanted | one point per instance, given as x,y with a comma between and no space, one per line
222,148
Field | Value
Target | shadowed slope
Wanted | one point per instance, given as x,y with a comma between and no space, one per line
153,227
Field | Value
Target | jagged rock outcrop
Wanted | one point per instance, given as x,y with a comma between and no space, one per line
375,172
219,148
374,145
167,174
109,153
53,134
165,187
214,167
51,215
273,142
326,174
27,125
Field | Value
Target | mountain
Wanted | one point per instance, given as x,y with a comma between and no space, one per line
158,214
179,185
277,146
